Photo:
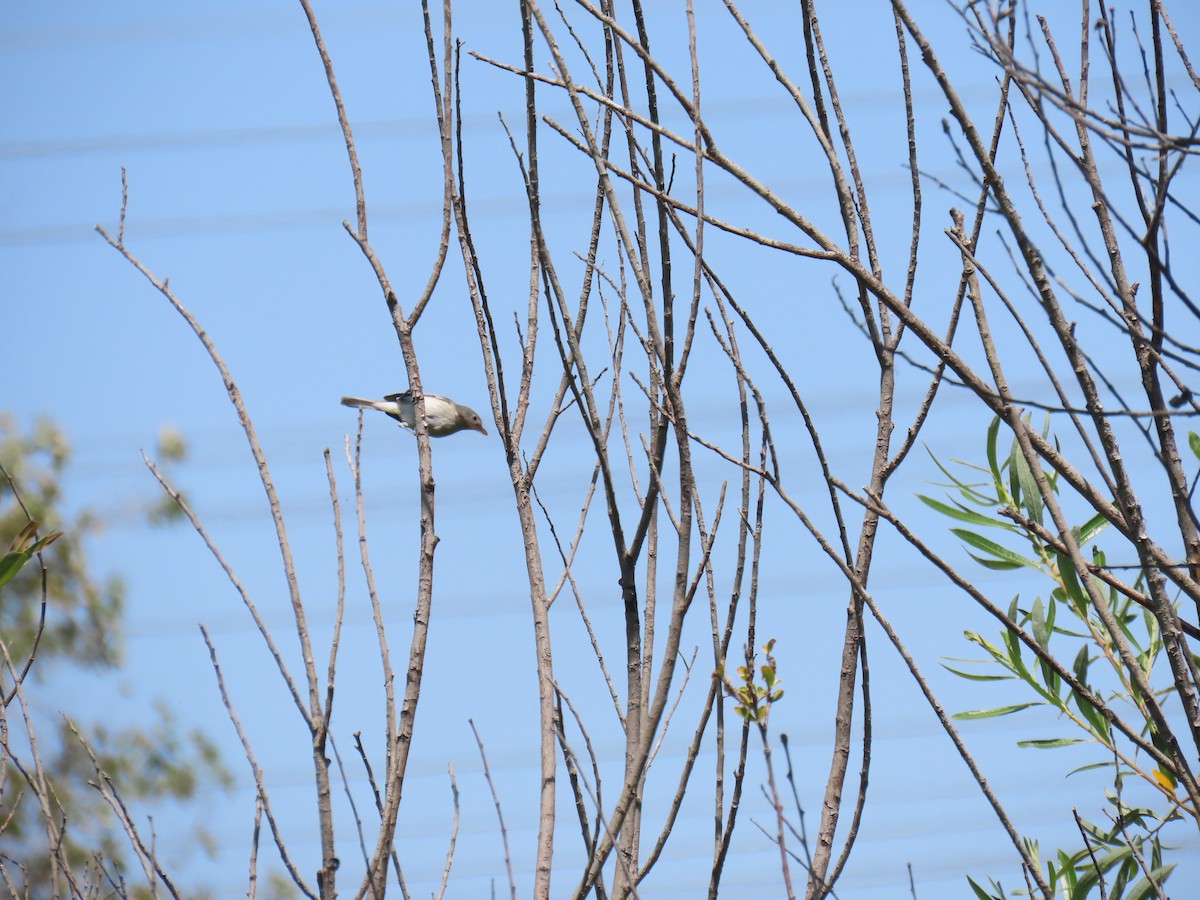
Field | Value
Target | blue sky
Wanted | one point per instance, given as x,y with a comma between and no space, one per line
237,187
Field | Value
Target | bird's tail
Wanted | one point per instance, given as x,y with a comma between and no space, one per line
363,403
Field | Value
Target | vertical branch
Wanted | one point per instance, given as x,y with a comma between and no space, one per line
856,215
777,803
444,111
510,428
487,774
441,891
360,203
256,771
313,713
401,740
321,732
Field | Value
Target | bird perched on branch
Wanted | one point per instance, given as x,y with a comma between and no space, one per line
442,415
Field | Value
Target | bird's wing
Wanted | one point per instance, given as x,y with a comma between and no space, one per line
406,397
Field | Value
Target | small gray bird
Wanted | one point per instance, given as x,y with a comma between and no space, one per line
442,415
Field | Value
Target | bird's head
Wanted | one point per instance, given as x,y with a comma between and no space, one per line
470,420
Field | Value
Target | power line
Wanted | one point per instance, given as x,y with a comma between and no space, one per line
212,138
188,29
760,107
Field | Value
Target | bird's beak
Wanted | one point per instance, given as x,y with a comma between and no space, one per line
480,429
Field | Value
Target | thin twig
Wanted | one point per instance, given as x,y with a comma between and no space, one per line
441,891
512,884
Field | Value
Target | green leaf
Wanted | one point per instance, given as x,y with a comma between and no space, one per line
1097,721
1080,666
22,550
1091,873
1053,682
1128,869
1053,874
1031,846
1041,632
969,491
1144,888
1049,743
1105,764
963,514
1024,484
995,564
1051,613
994,712
999,654
973,676
12,562
1010,558
981,893
993,461
1194,443
1070,583
1013,643
1159,742
1090,528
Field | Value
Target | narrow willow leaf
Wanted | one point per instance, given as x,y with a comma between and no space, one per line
1090,528
968,490
1053,682
1091,873
1092,715
1126,872
1041,631
976,638
996,564
994,712
1145,888
963,514
11,564
1100,559
1080,666
1012,644
973,676
993,461
1049,743
1026,491
1000,552
1087,768
1070,583
1015,662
